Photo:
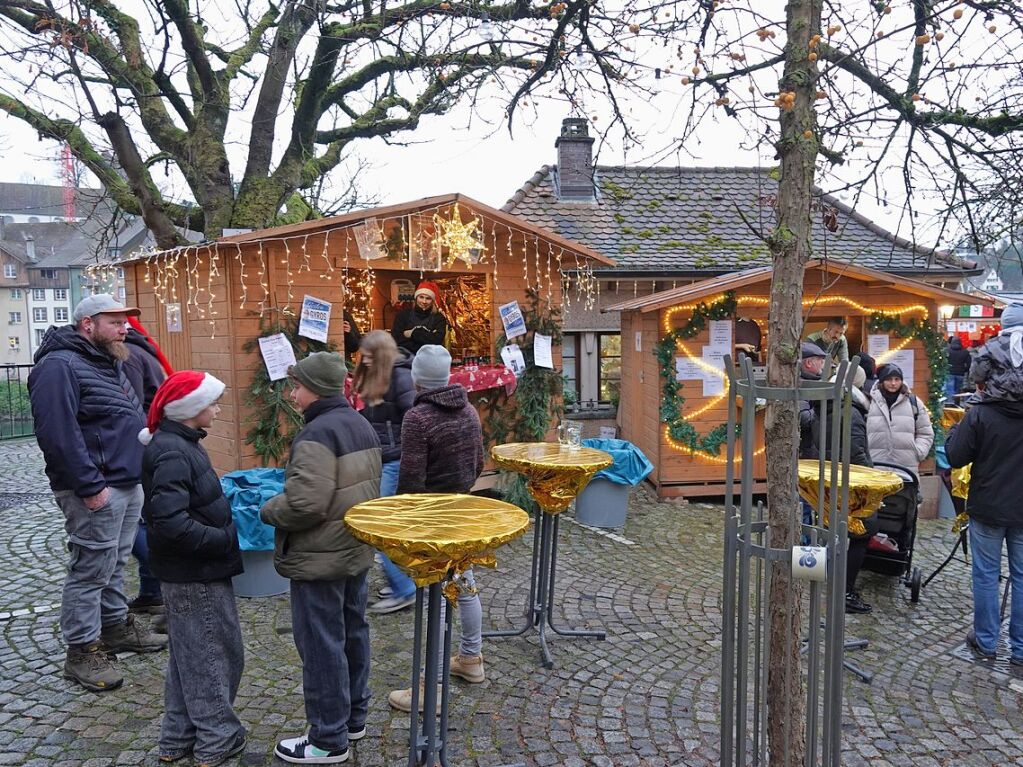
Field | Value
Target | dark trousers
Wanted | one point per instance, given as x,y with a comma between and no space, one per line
149,585
332,637
204,669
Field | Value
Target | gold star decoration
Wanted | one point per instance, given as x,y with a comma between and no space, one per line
464,241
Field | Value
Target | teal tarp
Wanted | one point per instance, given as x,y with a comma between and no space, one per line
247,491
630,466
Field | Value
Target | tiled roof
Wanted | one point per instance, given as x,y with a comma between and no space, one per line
44,199
702,221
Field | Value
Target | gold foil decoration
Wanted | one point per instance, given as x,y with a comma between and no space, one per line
868,487
555,474
465,304
432,534
961,481
950,416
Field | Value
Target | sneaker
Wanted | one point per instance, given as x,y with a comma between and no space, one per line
1016,661
234,750
468,667
130,636
358,734
854,604
385,591
402,699
92,668
147,604
973,644
391,604
300,751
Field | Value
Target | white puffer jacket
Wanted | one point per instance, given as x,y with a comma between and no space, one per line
897,436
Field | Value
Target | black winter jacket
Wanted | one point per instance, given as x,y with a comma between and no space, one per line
192,538
990,436
859,451
87,415
387,417
959,359
143,368
427,328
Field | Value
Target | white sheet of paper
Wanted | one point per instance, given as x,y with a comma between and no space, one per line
721,336
512,357
687,369
904,359
278,355
315,318
639,340
877,345
713,382
542,356
608,432
511,317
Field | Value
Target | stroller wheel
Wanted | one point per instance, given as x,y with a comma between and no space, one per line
915,580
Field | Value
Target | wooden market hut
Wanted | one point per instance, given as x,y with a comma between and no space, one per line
203,303
830,288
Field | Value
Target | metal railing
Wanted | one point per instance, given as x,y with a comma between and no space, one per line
15,410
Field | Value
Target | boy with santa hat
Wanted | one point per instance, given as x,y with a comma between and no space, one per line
422,324
193,550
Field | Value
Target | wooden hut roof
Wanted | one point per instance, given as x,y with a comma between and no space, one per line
738,280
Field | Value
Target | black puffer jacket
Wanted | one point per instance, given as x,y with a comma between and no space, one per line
959,359
990,436
192,538
427,328
859,451
387,417
143,368
87,415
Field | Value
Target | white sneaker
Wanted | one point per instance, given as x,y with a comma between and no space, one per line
300,751
385,591
391,604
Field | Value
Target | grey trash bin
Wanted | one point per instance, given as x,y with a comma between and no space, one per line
605,501
260,578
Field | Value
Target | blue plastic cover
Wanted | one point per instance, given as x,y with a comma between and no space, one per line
630,466
940,459
247,491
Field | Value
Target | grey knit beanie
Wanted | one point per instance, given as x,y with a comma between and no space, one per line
322,373
431,367
1012,315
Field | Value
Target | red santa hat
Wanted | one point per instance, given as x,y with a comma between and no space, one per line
181,396
160,357
427,288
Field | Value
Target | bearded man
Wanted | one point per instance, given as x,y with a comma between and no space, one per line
87,420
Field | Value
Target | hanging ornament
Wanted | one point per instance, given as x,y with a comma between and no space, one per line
370,240
464,242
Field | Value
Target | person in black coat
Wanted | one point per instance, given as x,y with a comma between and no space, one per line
353,336
990,437
959,361
193,547
422,324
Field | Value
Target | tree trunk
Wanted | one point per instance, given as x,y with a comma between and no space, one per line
790,249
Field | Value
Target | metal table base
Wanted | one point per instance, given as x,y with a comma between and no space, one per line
540,607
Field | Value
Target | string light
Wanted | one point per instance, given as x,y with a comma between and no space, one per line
705,456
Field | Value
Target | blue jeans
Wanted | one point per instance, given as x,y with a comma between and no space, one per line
149,585
332,637
204,669
986,541
953,384
401,585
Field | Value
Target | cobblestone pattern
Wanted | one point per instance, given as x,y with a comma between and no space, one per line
645,697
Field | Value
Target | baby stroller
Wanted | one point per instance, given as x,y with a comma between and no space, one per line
897,519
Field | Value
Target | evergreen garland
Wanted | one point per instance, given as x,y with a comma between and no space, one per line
937,359
672,401
274,421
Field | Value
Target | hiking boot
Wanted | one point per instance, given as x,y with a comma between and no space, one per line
468,667
402,699
236,748
131,636
973,644
159,624
854,604
153,605
300,751
92,668
391,604
174,756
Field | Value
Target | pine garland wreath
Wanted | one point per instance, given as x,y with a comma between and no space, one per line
672,400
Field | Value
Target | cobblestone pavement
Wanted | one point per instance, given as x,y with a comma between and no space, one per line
645,696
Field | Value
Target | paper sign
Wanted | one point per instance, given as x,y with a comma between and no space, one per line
511,316
639,340
721,335
278,355
512,357
877,345
315,318
904,359
971,327
173,318
713,382
687,369
608,432
542,357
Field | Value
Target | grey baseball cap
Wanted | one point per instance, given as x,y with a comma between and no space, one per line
102,303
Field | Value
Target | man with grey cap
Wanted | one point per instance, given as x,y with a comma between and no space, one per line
87,419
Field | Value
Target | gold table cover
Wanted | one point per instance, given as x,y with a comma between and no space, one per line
555,473
950,416
867,488
430,534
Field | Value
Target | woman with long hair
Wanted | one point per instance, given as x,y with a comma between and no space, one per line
383,379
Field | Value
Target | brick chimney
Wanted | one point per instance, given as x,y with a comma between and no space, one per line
575,161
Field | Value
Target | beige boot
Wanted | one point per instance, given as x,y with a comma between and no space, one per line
402,699
469,668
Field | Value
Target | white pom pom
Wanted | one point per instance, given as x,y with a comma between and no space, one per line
145,436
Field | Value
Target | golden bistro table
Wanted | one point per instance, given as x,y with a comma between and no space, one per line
555,474
434,537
